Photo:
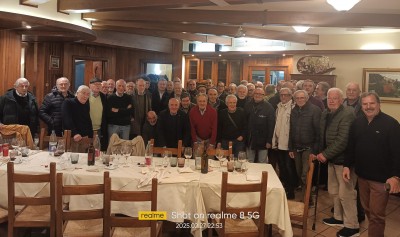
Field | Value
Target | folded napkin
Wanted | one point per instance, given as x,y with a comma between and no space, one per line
93,169
145,170
253,177
185,170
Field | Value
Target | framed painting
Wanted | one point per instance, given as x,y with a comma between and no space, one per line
384,81
54,62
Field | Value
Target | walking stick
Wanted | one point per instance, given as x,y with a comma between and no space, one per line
316,194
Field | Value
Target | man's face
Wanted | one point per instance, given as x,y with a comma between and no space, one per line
130,87
300,99
83,96
285,96
192,85
95,88
352,92
319,92
241,92
258,95
334,100
370,107
173,106
231,103
250,90
147,84
111,85
170,86
104,87
202,90
162,86
209,83
185,102
232,90
220,87
22,88
152,118
177,89
140,86
212,95
62,85
202,102
309,87
121,87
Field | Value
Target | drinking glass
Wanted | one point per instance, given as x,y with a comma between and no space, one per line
167,157
116,151
188,155
36,141
126,151
60,148
242,159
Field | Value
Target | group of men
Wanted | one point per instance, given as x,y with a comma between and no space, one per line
350,134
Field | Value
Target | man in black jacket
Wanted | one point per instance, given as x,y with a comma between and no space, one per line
19,106
261,121
373,150
159,100
50,110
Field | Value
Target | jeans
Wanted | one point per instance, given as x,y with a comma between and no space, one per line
236,146
262,155
344,196
374,199
121,131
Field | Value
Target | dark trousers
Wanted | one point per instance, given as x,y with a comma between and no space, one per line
287,169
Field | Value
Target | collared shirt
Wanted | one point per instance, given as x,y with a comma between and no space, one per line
16,92
202,111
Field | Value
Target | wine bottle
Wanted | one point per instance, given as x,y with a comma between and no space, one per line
91,154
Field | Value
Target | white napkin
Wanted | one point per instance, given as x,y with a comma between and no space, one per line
252,177
93,169
185,170
145,170
146,179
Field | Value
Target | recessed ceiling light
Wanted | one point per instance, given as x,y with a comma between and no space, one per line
301,29
219,55
28,27
249,55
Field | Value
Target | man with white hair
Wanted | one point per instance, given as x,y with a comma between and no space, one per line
50,110
334,137
353,97
19,106
242,96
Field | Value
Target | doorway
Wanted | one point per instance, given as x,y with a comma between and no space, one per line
268,74
86,69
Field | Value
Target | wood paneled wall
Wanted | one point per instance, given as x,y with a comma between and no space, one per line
10,59
266,61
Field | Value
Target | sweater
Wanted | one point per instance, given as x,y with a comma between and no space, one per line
374,148
172,128
124,114
229,131
203,126
76,117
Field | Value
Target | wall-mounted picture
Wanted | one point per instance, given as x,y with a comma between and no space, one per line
384,81
54,62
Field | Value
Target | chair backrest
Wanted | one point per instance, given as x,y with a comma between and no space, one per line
244,188
65,215
82,145
227,153
299,210
175,151
44,139
111,220
13,200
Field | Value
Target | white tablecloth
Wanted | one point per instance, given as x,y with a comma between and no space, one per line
188,194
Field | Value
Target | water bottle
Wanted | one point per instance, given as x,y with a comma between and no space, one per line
149,154
52,143
97,146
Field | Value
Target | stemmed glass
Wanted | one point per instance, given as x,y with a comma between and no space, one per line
219,153
36,141
116,150
188,154
126,151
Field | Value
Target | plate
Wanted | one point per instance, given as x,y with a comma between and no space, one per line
111,167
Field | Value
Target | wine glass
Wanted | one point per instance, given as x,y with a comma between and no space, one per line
188,154
219,153
36,141
126,151
116,151
242,159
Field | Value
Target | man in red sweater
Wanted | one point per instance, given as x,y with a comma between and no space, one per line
203,121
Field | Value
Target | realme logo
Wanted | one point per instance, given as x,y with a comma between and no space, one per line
152,215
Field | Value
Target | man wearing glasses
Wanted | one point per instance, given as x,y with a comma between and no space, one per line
261,121
304,133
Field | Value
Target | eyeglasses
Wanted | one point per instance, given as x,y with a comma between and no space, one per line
260,94
286,95
300,98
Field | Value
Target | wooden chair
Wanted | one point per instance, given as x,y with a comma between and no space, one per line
80,146
44,139
175,151
3,215
37,211
242,227
130,226
227,153
78,222
299,210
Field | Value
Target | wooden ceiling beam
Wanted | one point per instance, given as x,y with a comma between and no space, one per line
230,31
149,43
107,5
316,19
171,35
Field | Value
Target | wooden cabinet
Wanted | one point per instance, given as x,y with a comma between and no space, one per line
331,79
193,68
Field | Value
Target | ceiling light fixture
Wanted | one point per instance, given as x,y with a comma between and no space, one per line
240,33
28,27
301,29
342,5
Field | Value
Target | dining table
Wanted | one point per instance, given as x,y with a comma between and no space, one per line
183,193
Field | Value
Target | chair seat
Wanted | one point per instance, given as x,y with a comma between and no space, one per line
34,213
137,232
84,228
239,226
3,215
296,208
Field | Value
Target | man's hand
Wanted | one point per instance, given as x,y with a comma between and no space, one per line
291,154
240,138
346,174
115,110
268,145
321,158
313,157
394,184
129,106
77,137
